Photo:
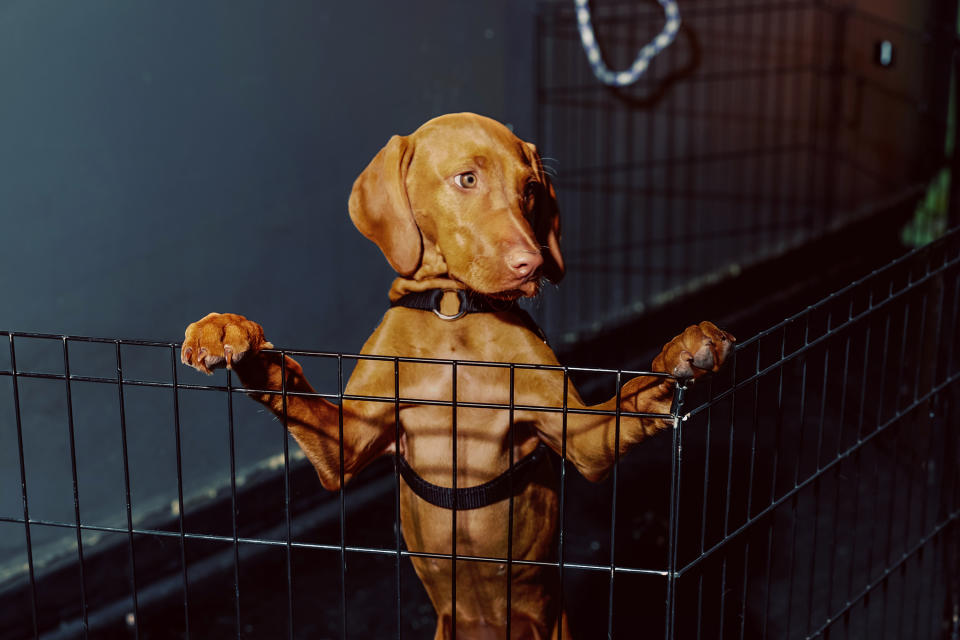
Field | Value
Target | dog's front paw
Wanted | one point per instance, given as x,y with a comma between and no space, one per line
700,349
221,340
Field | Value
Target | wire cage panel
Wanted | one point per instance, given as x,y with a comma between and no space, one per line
812,488
764,125
819,490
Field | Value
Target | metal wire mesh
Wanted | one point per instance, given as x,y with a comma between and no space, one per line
813,489
763,126
819,489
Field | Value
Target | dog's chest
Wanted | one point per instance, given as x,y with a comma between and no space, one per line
465,383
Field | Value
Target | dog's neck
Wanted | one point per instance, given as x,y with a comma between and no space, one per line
431,274
403,286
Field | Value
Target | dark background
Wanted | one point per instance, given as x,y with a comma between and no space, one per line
161,160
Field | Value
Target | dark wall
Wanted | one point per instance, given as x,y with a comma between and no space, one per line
160,160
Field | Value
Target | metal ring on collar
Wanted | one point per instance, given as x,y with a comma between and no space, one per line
461,295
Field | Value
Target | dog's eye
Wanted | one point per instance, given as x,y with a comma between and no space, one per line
530,196
466,180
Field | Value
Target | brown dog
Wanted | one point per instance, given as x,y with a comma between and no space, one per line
462,205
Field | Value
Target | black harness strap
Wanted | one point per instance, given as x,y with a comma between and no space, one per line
481,495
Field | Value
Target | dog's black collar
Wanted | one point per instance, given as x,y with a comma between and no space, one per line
482,495
470,302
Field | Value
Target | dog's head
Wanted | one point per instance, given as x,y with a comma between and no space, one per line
462,197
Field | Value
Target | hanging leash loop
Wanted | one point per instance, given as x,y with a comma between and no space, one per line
627,77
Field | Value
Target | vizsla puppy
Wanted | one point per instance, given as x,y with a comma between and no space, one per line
463,211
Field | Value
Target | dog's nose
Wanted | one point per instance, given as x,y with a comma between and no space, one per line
523,263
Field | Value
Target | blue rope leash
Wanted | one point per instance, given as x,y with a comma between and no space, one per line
655,46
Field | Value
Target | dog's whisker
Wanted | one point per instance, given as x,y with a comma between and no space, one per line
547,167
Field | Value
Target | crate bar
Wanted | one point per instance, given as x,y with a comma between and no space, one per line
674,512
613,508
126,492
837,484
23,488
949,498
626,220
876,470
778,428
180,509
540,60
670,146
823,395
343,507
233,504
924,460
796,470
891,515
879,404
336,548
859,432
924,303
312,353
396,476
708,433
288,543
930,459
753,456
510,442
941,308
76,489
726,515
697,97
835,72
725,94
649,163
385,399
704,501
764,224
303,352
596,296
956,318
333,396
813,131
453,512
563,485
803,17
825,375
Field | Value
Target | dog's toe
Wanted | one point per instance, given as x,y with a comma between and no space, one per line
704,359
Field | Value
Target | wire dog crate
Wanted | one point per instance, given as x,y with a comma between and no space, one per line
765,125
813,489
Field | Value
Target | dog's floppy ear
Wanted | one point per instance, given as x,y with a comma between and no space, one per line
547,223
380,208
